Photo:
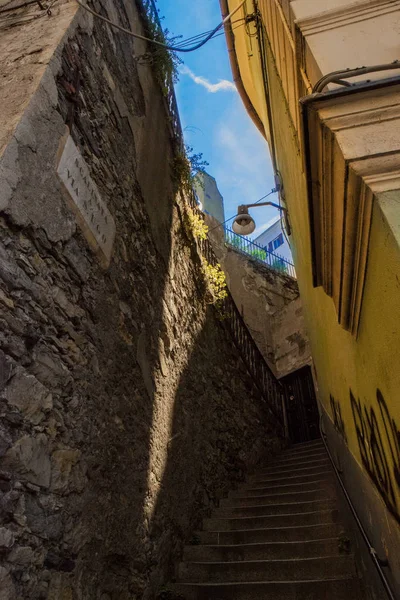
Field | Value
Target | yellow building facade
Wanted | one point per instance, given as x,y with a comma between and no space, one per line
334,134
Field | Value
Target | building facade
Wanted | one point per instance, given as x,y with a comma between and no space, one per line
209,196
274,240
334,135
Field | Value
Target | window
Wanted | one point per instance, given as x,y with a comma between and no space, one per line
278,241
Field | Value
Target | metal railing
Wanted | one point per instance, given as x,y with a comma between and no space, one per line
272,260
378,562
269,386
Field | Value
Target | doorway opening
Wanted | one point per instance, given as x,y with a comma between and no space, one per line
301,406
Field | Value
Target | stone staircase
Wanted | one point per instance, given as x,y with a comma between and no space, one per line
277,537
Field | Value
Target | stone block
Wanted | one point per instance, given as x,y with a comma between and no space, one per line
27,394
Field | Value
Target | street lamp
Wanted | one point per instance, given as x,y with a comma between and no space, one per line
244,224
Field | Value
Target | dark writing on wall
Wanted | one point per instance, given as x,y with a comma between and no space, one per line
337,418
379,443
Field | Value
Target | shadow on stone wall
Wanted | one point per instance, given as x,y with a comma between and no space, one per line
125,410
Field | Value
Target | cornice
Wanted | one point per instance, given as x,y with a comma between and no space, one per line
353,153
346,15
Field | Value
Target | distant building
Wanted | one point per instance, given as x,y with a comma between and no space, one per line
273,240
209,196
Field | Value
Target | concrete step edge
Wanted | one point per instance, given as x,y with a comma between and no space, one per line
251,531
310,443
296,457
302,514
275,495
301,453
272,582
293,469
280,504
258,544
283,485
286,478
348,557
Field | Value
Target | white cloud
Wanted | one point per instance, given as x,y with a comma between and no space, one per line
222,85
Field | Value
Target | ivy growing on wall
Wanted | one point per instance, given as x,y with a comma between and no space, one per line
216,281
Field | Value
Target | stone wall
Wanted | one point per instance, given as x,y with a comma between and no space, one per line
126,411
270,304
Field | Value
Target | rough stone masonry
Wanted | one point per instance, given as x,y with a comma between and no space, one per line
126,412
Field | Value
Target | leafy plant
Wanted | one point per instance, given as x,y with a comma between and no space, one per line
258,253
197,225
186,167
216,281
236,241
165,62
197,163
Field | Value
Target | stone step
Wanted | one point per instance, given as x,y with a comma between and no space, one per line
286,480
272,550
267,570
299,459
271,534
325,481
282,508
295,468
304,445
301,453
328,589
266,499
266,521
289,475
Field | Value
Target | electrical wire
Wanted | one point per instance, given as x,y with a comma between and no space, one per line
200,36
148,58
156,42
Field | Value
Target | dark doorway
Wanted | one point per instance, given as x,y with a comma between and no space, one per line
301,406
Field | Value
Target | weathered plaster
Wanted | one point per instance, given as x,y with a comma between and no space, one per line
270,304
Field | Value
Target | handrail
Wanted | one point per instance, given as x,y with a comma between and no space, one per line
273,260
263,377
378,562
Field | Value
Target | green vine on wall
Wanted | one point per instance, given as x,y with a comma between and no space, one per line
214,277
197,225
186,167
216,282
165,62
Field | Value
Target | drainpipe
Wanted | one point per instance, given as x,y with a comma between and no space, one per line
230,42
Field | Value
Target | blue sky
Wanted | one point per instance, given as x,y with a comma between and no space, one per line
212,114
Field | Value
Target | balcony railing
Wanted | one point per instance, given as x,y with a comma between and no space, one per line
270,259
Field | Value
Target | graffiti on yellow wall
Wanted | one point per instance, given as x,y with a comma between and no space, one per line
338,421
379,442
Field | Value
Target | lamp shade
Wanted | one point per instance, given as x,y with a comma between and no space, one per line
243,223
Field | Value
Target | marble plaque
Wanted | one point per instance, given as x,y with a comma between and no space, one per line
92,214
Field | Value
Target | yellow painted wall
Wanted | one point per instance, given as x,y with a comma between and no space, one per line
345,364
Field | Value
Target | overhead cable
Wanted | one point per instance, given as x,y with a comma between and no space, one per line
156,42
